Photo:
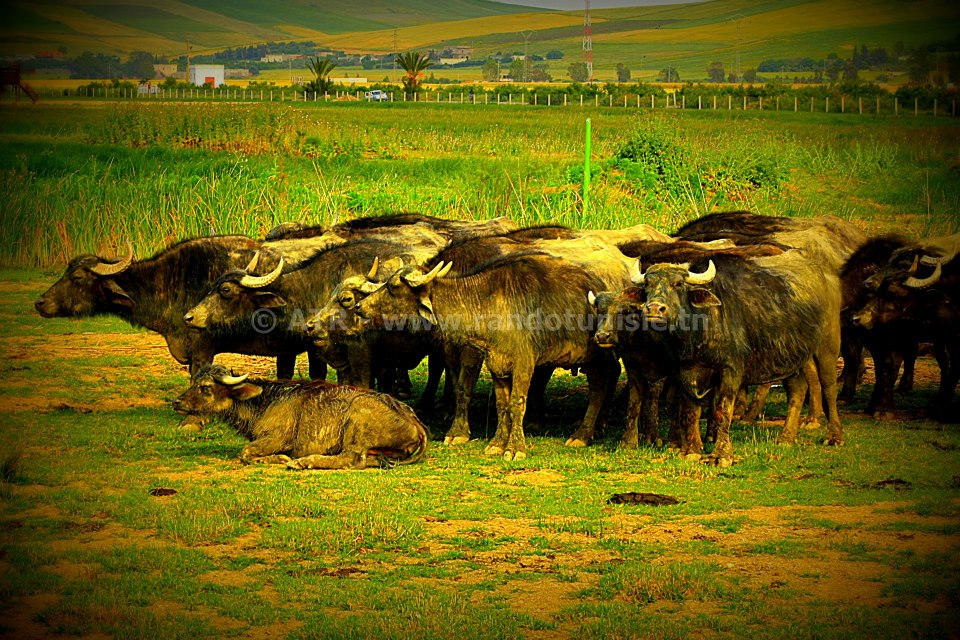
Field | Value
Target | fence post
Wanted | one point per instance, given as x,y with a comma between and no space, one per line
744,103
878,105
729,103
611,99
596,100
761,103
653,104
683,101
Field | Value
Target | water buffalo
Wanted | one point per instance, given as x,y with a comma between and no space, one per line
156,292
308,425
520,311
728,321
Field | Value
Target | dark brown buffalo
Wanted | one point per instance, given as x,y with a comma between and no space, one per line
520,311
156,292
724,322
308,425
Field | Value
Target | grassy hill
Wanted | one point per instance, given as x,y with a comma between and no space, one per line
688,37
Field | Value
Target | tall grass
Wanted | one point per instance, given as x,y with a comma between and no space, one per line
85,180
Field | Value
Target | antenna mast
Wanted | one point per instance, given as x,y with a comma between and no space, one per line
587,54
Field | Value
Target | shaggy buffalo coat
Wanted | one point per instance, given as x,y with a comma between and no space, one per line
308,425
754,322
155,293
520,311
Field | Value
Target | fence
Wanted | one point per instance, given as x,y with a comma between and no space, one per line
887,104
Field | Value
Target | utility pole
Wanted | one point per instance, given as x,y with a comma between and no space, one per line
526,57
587,54
396,50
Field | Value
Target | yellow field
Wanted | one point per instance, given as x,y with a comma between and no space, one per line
430,34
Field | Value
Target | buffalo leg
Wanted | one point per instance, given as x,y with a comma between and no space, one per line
263,447
537,401
598,377
501,390
724,397
796,386
467,365
519,387
316,365
886,368
814,394
947,357
286,364
636,386
687,419
345,460
435,366
851,347
826,362
909,365
753,412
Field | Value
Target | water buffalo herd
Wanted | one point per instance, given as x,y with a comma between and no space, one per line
729,301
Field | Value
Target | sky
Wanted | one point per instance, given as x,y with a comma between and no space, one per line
594,4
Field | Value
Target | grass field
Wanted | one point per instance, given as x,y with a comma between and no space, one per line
803,541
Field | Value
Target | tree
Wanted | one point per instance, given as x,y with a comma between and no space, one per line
850,72
413,64
94,65
750,75
715,72
669,74
139,65
554,54
623,74
518,70
578,72
539,73
321,68
490,70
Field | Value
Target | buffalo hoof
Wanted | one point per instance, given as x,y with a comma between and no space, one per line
833,442
493,450
629,443
810,424
454,440
786,440
514,455
575,442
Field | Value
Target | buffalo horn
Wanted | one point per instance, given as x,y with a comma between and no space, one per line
373,269
233,380
256,282
437,272
108,269
920,283
636,276
930,260
913,268
591,298
702,278
253,262
369,287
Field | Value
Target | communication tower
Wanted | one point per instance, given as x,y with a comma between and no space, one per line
587,54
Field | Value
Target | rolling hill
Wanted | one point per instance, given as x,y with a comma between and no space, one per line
686,36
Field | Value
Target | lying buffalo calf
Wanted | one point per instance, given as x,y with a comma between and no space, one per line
320,425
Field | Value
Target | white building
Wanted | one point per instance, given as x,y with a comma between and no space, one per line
203,74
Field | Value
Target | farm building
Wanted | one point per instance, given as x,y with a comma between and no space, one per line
204,74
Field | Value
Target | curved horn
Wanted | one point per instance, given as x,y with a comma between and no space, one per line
373,269
591,298
253,262
931,260
257,282
369,287
702,278
108,269
636,276
920,283
913,267
232,380
418,281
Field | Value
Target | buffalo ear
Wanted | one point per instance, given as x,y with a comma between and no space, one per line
245,391
425,310
117,295
700,297
267,300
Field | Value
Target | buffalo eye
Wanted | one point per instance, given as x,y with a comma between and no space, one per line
225,290
76,276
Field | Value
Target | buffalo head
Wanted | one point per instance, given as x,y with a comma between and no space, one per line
87,287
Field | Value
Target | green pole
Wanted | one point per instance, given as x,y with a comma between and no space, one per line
586,174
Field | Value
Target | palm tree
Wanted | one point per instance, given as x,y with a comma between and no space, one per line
322,70
413,64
